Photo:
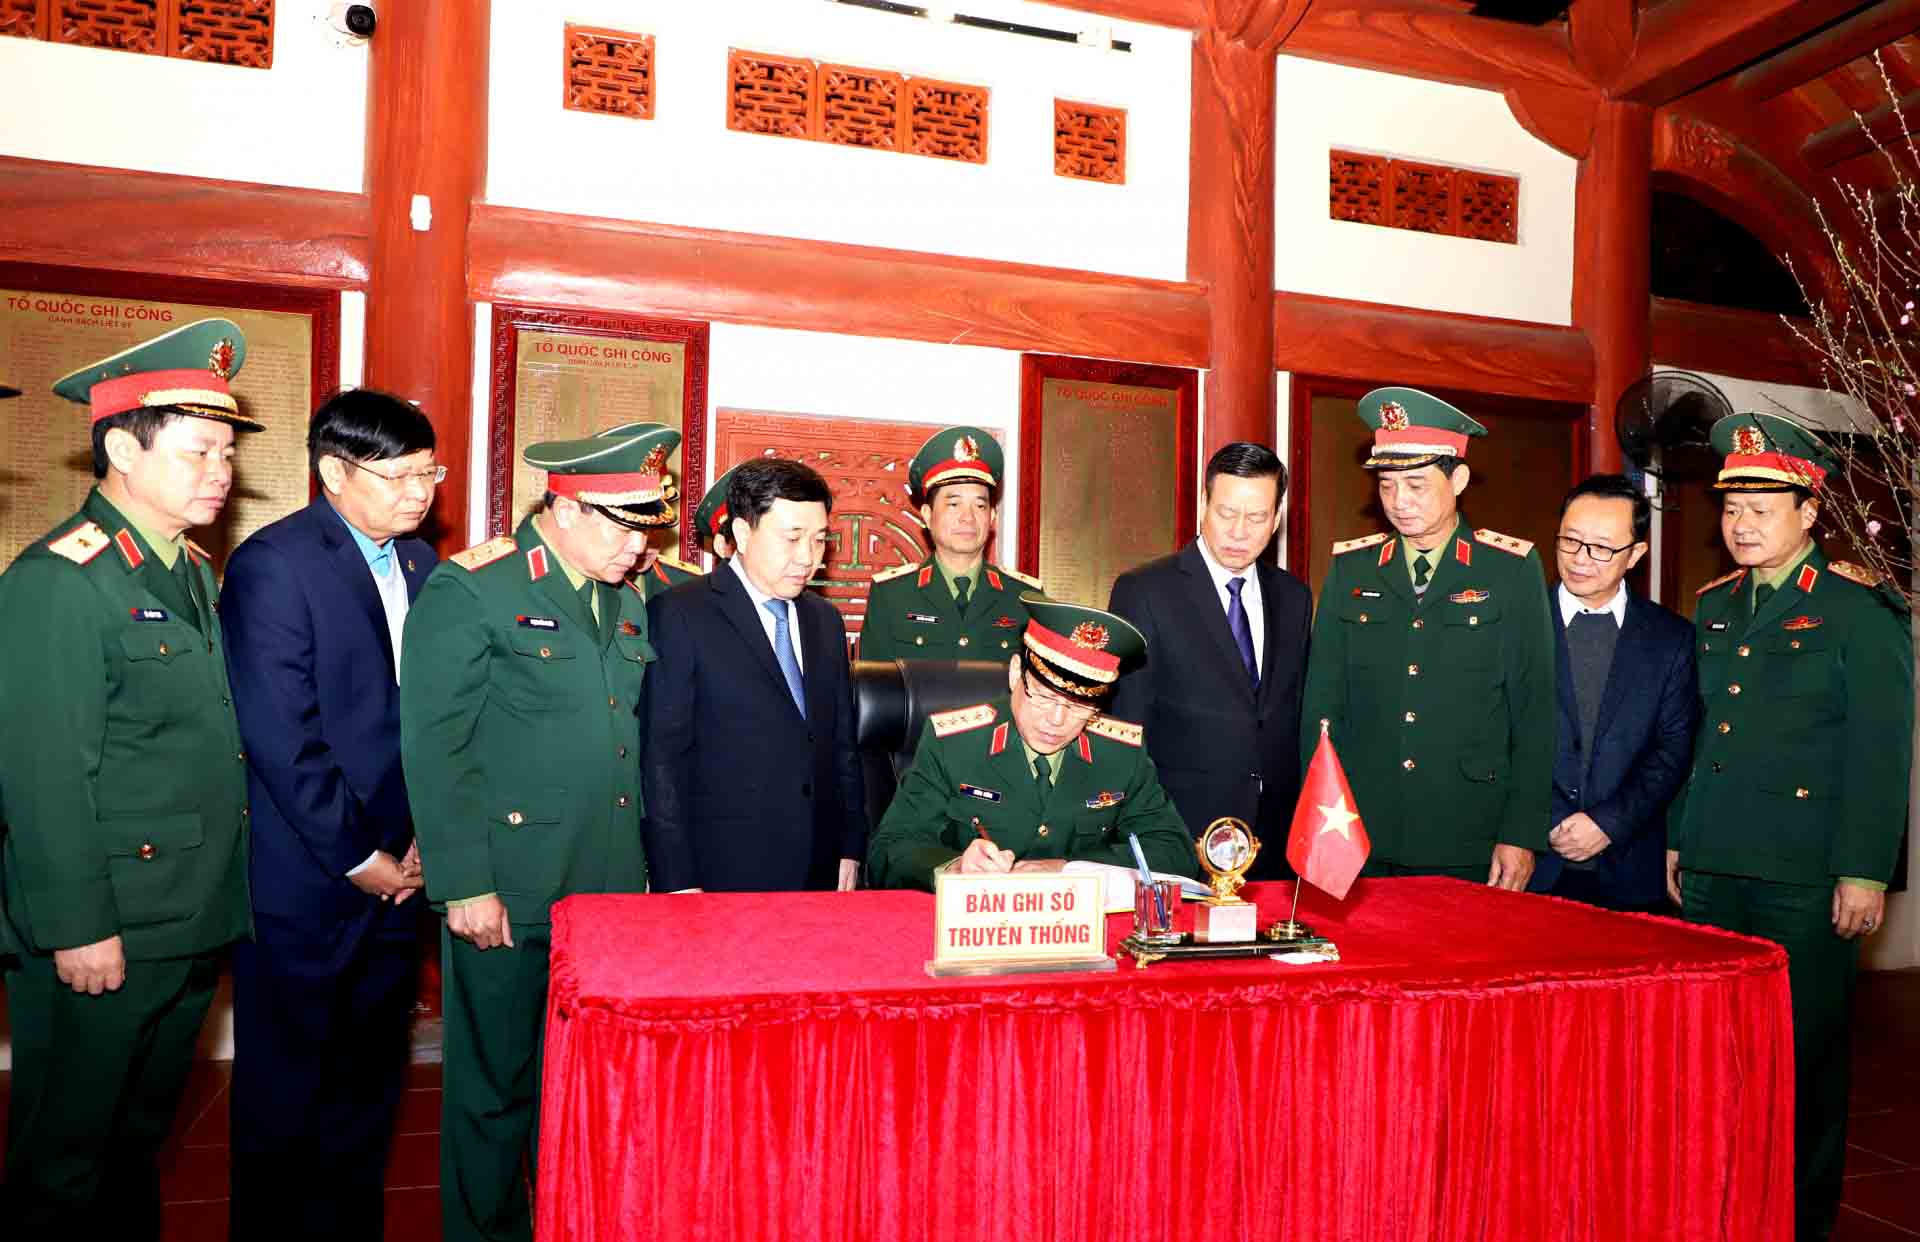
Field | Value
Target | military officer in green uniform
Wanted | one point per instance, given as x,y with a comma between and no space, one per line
658,571
1037,777
1432,661
954,605
1789,823
520,737
125,867
710,519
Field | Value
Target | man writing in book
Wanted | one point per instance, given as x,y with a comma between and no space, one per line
1038,777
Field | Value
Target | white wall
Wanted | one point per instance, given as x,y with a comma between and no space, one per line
1322,107
685,167
300,123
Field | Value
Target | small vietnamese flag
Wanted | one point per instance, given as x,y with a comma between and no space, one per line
1327,844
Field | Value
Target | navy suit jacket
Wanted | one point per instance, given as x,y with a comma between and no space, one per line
311,664
1642,749
743,795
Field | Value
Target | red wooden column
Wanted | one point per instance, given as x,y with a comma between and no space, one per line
427,135
1230,232
1613,260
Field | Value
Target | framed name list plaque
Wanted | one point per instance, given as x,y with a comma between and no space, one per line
1107,458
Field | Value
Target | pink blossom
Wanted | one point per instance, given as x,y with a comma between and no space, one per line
1873,529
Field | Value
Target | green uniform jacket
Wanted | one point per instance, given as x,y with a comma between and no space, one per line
1442,708
1800,770
123,779
910,615
971,767
665,575
520,731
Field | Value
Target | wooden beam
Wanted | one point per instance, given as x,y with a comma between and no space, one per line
79,215
1601,32
1683,45
545,258
1369,341
1433,41
1845,139
1859,35
1750,344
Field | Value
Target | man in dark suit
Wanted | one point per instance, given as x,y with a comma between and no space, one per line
779,805
1226,655
1628,708
313,609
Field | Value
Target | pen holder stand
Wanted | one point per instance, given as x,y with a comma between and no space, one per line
1153,920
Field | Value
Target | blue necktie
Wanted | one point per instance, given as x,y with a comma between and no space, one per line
1242,632
783,652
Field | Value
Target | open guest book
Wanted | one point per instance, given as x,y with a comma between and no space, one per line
1117,883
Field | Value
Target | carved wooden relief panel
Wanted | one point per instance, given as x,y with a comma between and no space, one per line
227,32
1089,141
854,107
609,72
768,94
948,121
23,19
125,25
860,107
1425,198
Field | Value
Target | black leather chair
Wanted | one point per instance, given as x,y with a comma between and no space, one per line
891,702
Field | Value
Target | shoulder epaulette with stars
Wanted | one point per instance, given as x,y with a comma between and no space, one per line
1506,543
1855,573
1122,731
888,575
484,553
961,719
1017,576
1354,545
1722,580
81,544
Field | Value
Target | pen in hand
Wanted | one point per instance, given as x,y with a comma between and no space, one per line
993,858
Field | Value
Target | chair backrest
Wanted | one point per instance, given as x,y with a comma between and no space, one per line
891,702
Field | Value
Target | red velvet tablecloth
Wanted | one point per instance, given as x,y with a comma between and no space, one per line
1479,1065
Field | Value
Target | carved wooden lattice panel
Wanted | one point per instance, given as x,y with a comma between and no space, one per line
861,107
769,94
1089,141
23,19
1422,197
1357,187
1487,206
126,25
609,71
228,32
947,120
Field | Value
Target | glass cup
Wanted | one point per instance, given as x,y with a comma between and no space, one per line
1153,921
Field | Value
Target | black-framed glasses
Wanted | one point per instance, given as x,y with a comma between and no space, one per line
432,476
1598,552
1047,700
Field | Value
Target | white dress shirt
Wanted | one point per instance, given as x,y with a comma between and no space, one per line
1249,599
1571,607
760,599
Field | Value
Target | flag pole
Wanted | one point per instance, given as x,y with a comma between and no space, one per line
1293,929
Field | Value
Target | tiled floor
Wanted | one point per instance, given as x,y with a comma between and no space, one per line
1883,1174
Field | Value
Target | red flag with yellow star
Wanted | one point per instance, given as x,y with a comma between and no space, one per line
1327,844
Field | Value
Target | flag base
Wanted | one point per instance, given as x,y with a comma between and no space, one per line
1289,930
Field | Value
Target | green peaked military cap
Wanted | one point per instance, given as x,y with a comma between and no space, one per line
187,369
1079,651
956,455
1768,453
1413,428
622,472
712,513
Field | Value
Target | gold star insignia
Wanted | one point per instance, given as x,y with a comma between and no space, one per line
1336,817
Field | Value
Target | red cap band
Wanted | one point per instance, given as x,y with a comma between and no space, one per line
1071,652
155,388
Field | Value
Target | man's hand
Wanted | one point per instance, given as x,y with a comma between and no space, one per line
482,923
1857,911
849,874
1040,864
984,857
1512,868
1577,838
388,879
411,863
1673,877
93,968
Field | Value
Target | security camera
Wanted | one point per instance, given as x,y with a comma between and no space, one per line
356,21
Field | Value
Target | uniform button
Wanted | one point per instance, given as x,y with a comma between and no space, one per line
163,649
918,641
545,652
1004,644
1363,617
245,811
1408,764
1413,670
964,640
1043,830
1743,650
1794,643
1473,620
241,756
621,800
1724,727
1801,792
612,702
1418,624
1716,765
1734,688
516,818
225,700
1410,717
620,752
146,850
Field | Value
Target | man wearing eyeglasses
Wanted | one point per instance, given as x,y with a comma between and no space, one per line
1037,778
1628,707
313,608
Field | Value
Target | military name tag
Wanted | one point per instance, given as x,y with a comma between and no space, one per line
923,618
1716,626
147,614
1364,593
1007,923
538,623
985,795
